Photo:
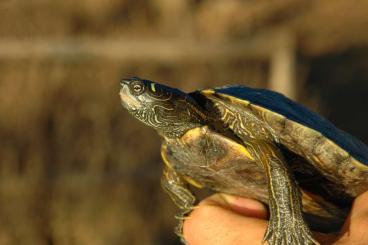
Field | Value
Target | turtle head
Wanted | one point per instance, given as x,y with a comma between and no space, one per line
168,110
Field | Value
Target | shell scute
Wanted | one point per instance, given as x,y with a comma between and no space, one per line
339,156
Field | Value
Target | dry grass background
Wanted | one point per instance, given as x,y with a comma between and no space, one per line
75,168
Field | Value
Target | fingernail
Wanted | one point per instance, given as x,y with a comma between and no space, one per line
241,201
246,206
228,198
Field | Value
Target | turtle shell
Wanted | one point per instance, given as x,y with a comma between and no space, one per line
335,154
330,166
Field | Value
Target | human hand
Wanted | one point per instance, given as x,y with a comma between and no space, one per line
222,219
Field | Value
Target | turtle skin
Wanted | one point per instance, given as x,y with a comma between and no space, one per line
328,165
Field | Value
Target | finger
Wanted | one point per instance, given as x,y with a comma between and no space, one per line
212,222
354,229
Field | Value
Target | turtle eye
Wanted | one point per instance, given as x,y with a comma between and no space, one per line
137,88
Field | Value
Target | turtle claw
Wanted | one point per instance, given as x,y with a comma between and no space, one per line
181,217
289,236
183,241
179,231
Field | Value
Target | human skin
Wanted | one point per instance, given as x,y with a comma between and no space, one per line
228,220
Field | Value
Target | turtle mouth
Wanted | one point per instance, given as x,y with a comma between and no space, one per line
128,101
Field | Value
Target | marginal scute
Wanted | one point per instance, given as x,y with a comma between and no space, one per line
324,154
356,175
289,136
330,153
276,120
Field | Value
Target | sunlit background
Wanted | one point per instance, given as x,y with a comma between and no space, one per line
75,168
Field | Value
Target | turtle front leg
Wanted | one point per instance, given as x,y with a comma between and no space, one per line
178,191
286,225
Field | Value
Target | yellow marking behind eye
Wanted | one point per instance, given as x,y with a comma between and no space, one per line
153,88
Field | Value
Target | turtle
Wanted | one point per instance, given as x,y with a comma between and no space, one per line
253,143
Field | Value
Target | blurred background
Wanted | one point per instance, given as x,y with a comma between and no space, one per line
75,168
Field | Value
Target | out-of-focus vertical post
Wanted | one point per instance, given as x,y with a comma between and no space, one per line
283,64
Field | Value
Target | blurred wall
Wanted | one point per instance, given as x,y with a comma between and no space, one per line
75,167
